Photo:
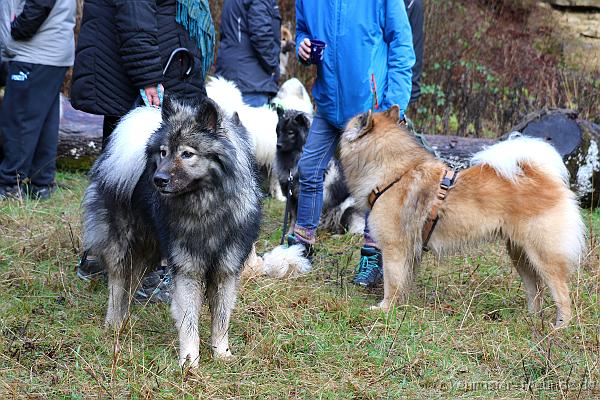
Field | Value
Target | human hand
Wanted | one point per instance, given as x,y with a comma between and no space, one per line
304,50
152,94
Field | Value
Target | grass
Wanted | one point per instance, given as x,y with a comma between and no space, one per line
464,332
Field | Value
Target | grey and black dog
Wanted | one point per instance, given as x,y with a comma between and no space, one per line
178,184
339,214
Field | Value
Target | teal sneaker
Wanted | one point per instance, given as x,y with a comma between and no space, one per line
369,271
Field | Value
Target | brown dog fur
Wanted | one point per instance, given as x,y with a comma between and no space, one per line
534,213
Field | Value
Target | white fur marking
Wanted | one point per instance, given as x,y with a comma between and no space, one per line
506,158
126,150
283,261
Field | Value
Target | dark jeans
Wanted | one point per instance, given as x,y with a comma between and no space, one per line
30,118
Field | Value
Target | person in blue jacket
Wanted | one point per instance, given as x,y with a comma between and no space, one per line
249,48
369,271
366,65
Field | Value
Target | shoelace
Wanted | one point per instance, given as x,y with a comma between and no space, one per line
366,266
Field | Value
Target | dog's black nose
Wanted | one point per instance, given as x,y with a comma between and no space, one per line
161,179
279,146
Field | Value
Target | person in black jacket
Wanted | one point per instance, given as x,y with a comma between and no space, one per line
123,46
249,48
39,50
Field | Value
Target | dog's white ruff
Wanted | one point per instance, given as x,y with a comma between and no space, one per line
284,262
293,96
126,150
508,156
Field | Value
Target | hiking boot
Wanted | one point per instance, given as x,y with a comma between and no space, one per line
11,192
41,192
369,271
156,287
89,268
308,250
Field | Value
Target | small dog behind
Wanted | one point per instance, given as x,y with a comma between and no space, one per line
516,190
339,215
260,122
178,185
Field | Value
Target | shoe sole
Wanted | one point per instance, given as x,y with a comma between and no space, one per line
89,277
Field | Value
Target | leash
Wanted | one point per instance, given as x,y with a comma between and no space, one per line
184,55
287,213
446,183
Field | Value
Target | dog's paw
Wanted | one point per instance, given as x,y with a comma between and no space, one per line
223,355
189,362
382,306
280,197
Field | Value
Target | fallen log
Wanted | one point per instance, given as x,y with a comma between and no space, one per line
575,139
79,138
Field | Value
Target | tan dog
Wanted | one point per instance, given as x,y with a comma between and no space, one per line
516,190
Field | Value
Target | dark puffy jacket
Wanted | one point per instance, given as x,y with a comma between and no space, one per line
250,42
122,47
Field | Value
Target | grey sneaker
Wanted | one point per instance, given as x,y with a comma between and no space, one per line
8,192
41,192
89,268
156,287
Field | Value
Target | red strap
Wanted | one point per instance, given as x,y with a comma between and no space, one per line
374,90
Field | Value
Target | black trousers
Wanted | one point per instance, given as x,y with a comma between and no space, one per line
30,116
108,126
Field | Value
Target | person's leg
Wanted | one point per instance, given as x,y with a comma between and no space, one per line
416,17
43,166
255,99
318,150
25,108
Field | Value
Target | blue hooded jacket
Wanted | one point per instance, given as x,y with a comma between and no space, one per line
367,40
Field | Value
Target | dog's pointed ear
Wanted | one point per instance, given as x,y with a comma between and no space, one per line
168,107
394,113
280,111
302,120
208,115
236,118
359,126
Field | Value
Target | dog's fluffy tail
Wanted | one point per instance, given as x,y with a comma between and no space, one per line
225,93
282,262
508,156
507,159
124,159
